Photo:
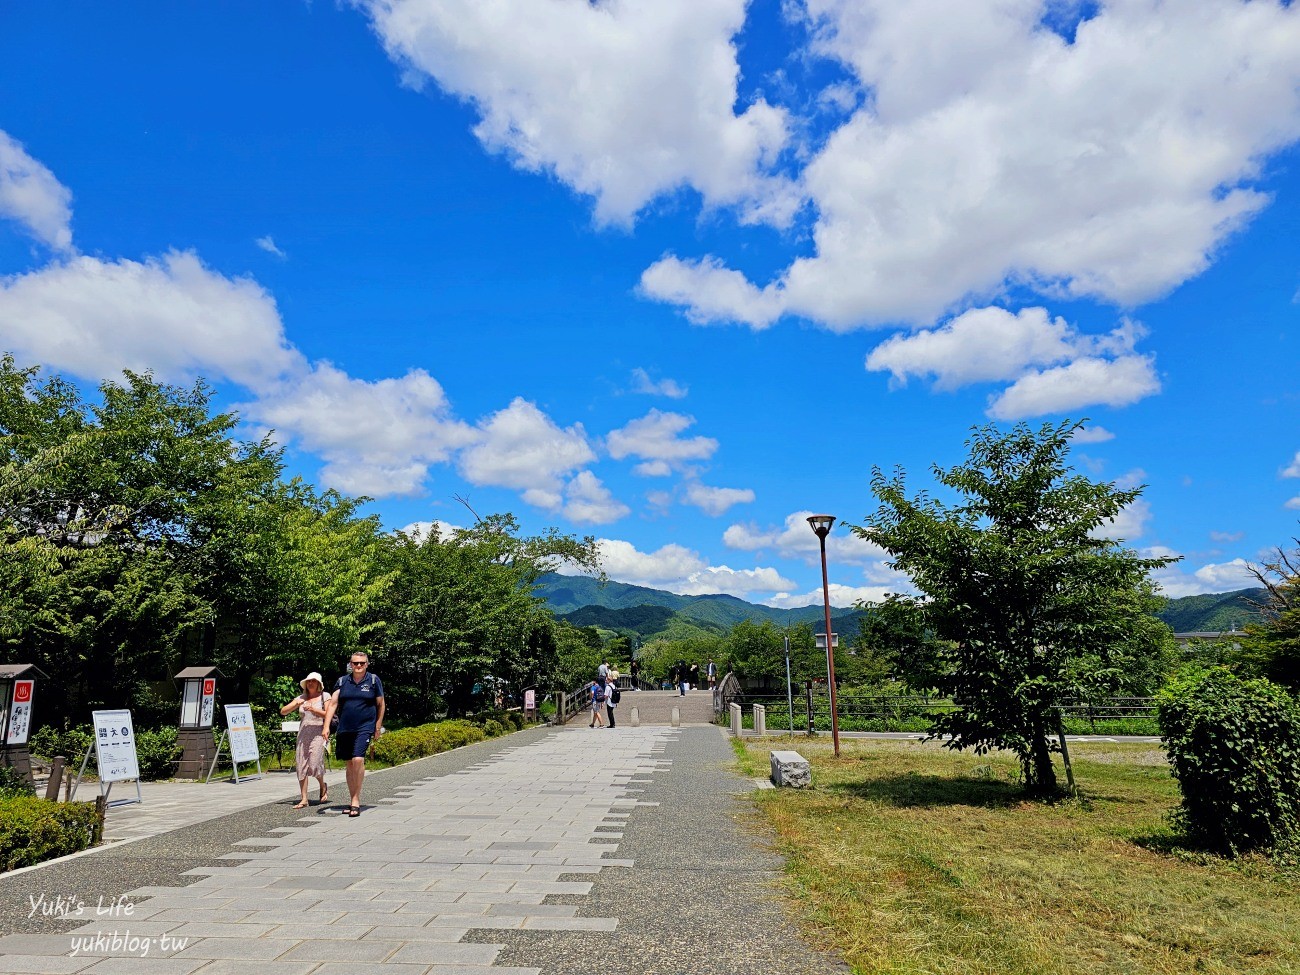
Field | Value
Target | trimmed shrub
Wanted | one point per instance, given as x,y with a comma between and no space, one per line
1234,747
13,783
34,830
407,744
157,752
493,728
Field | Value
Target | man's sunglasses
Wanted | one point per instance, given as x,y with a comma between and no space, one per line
357,663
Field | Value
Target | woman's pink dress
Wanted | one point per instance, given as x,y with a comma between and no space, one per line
309,757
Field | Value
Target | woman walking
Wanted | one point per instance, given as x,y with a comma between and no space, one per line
309,755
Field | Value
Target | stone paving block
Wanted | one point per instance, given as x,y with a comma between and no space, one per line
146,966
337,951
249,949
241,967
221,929
43,964
427,932
431,954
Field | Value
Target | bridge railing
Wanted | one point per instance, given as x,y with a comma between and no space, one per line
578,701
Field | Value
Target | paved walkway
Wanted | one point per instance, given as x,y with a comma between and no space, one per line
556,850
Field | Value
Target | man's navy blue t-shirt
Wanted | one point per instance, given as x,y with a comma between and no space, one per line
358,706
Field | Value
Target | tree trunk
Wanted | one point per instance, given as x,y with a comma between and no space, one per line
1044,774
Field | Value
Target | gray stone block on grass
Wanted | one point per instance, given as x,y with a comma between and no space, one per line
791,769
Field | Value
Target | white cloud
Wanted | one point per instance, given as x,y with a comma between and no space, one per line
1093,434
1292,469
642,383
94,318
1212,577
1225,538
994,345
678,569
715,500
377,438
32,196
1084,382
1293,504
1128,525
796,540
991,151
982,345
521,447
841,597
590,502
710,292
654,438
424,529
624,101
268,244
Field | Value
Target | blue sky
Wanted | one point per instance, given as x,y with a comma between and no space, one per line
675,273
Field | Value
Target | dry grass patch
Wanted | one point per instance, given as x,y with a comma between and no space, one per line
906,857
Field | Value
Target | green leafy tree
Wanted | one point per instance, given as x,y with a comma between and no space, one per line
463,619
1037,606
1272,648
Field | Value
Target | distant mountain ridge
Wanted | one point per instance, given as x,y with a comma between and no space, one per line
621,606
618,605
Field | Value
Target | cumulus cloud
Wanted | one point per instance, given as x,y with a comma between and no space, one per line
642,383
990,151
995,345
715,500
1084,382
795,539
1212,577
425,529
678,569
1129,524
589,502
173,315
521,447
1093,434
623,101
376,438
1293,504
1292,469
31,196
842,597
655,439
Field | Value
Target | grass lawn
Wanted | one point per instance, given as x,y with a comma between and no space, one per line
906,857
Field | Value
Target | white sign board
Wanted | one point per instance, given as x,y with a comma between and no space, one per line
209,696
241,734
115,746
20,721
530,700
821,641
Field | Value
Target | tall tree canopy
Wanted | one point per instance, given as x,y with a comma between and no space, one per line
1033,604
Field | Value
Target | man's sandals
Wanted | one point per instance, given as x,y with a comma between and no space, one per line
354,812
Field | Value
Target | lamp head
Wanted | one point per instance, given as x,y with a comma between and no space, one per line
821,524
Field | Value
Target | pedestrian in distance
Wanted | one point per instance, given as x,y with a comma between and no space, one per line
712,674
309,753
612,695
598,691
358,701
683,675
635,672
693,677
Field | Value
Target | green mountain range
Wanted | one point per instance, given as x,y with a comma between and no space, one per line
619,606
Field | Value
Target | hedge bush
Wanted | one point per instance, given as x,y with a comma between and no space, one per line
34,830
1234,747
407,744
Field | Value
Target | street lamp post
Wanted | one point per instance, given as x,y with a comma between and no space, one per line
821,524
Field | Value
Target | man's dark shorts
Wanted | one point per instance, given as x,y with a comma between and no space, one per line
352,744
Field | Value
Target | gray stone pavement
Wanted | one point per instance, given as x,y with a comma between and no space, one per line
554,850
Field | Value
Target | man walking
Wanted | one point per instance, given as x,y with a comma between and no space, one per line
358,700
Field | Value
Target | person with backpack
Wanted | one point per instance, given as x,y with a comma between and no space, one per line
612,695
358,702
598,693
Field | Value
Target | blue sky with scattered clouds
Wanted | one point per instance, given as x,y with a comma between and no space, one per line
676,273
